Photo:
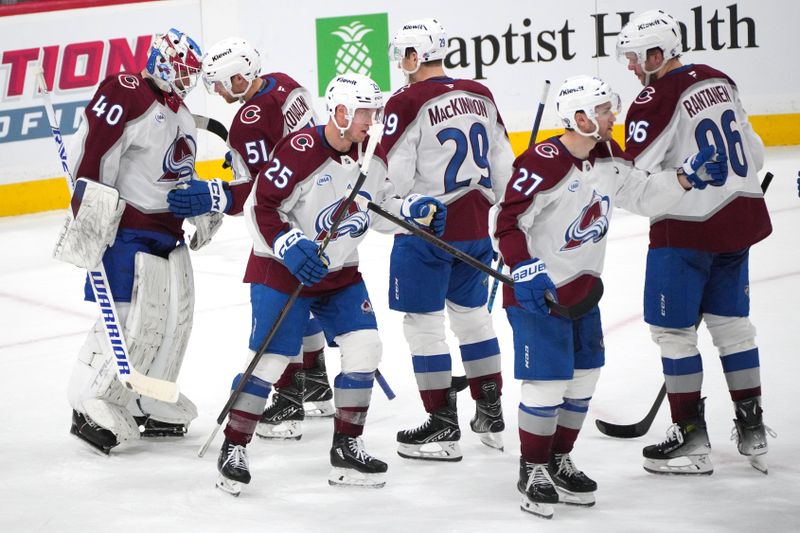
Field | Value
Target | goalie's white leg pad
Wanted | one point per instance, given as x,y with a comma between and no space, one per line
112,417
181,412
178,327
350,477
147,320
94,374
91,225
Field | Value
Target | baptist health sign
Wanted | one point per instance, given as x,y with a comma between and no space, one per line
511,47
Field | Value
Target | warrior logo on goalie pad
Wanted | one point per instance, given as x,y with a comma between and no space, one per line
355,222
591,224
178,162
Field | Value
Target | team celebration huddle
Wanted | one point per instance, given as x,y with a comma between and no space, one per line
433,166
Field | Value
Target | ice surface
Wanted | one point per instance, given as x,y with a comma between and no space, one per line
50,482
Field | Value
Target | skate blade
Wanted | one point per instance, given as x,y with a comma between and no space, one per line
287,430
492,440
432,451
684,465
349,477
318,409
541,510
759,463
96,449
580,499
234,488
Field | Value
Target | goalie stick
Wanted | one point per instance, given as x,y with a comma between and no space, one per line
534,132
640,428
572,312
375,134
130,377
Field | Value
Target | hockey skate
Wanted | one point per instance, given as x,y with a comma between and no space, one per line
317,394
233,467
100,439
573,486
353,466
538,492
488,420
684,451
436,439
283,419
750,433
149,427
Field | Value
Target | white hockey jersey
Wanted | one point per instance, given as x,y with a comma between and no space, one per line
142,142
303,186
445,138
558,208
674,117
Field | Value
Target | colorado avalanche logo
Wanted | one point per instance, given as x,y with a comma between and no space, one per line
591,224
178,162
355,222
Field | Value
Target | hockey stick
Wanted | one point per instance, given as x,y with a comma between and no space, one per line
211,125
130,377
640,428
570,312
375,133
534,132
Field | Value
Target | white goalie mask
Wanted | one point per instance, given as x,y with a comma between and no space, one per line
353,91
651,29
584,93
426,36
227,58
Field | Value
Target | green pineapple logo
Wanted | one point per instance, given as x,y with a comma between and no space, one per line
354,44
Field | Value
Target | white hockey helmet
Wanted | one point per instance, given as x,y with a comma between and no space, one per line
173,62
584,93
426,36
353,91
227,58
651,29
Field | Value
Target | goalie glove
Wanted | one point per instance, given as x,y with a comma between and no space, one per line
91,226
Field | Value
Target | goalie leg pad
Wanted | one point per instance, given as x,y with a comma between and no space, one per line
147,321
91,225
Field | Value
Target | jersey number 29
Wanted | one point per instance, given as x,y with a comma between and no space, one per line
478,144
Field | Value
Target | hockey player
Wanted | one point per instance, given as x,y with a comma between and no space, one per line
297,195
444,138
551,227
135,143
697,264
274,105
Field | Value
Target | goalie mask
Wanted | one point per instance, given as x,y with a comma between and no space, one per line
353,91
426,36
651,29
173,62
584,94
227,58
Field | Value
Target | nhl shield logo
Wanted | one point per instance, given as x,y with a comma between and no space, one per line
590,225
